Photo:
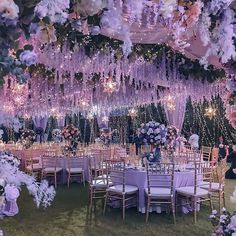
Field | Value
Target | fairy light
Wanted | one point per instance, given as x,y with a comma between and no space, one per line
133,113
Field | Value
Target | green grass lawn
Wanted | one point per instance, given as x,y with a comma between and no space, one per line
68,216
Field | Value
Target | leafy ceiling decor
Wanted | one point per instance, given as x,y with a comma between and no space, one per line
82,22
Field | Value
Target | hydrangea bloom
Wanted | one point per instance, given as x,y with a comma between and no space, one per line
56,10
28,57
8,9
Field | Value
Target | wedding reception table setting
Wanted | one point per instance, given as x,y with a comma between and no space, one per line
117,117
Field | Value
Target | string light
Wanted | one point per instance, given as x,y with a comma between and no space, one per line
133,113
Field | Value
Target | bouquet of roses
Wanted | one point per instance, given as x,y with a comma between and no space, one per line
72,135
171,137
153,133
27,137
57,135
105,136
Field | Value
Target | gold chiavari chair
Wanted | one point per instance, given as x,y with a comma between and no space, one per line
160,182
188,147
50,168
106,154
120,153
75,168
98,181
218,186
206,153
120,191
215,154
196,194
33,162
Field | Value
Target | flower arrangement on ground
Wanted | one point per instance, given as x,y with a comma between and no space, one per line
12,179
27,138
9,158
226,222
72,135
57,135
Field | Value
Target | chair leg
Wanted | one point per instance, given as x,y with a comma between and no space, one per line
105,203
55,180
194,210
219,196
223,197
91,199
123,207
68,180
211,203
173,209
138,201
83,179
147,209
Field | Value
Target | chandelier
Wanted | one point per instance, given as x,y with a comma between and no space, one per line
210,112
110,85
133,113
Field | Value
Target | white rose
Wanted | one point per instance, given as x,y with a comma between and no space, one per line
9,9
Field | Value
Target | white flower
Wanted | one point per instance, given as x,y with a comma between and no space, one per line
91,7
223,209
167,7
56,10
212,216
9,9
150,130
214,212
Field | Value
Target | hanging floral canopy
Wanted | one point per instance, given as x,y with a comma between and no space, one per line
61,57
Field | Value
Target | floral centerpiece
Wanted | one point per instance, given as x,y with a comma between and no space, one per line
72,135
153,133
12,179
27,138
105,136
171,137
57,135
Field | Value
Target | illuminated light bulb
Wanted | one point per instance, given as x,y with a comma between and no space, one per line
133,112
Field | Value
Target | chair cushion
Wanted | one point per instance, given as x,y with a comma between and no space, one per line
159,192
129,189
100,183
214,186
52,169
189,191
74,170
37,166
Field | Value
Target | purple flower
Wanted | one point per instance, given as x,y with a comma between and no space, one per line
231,85
28,57
95,30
